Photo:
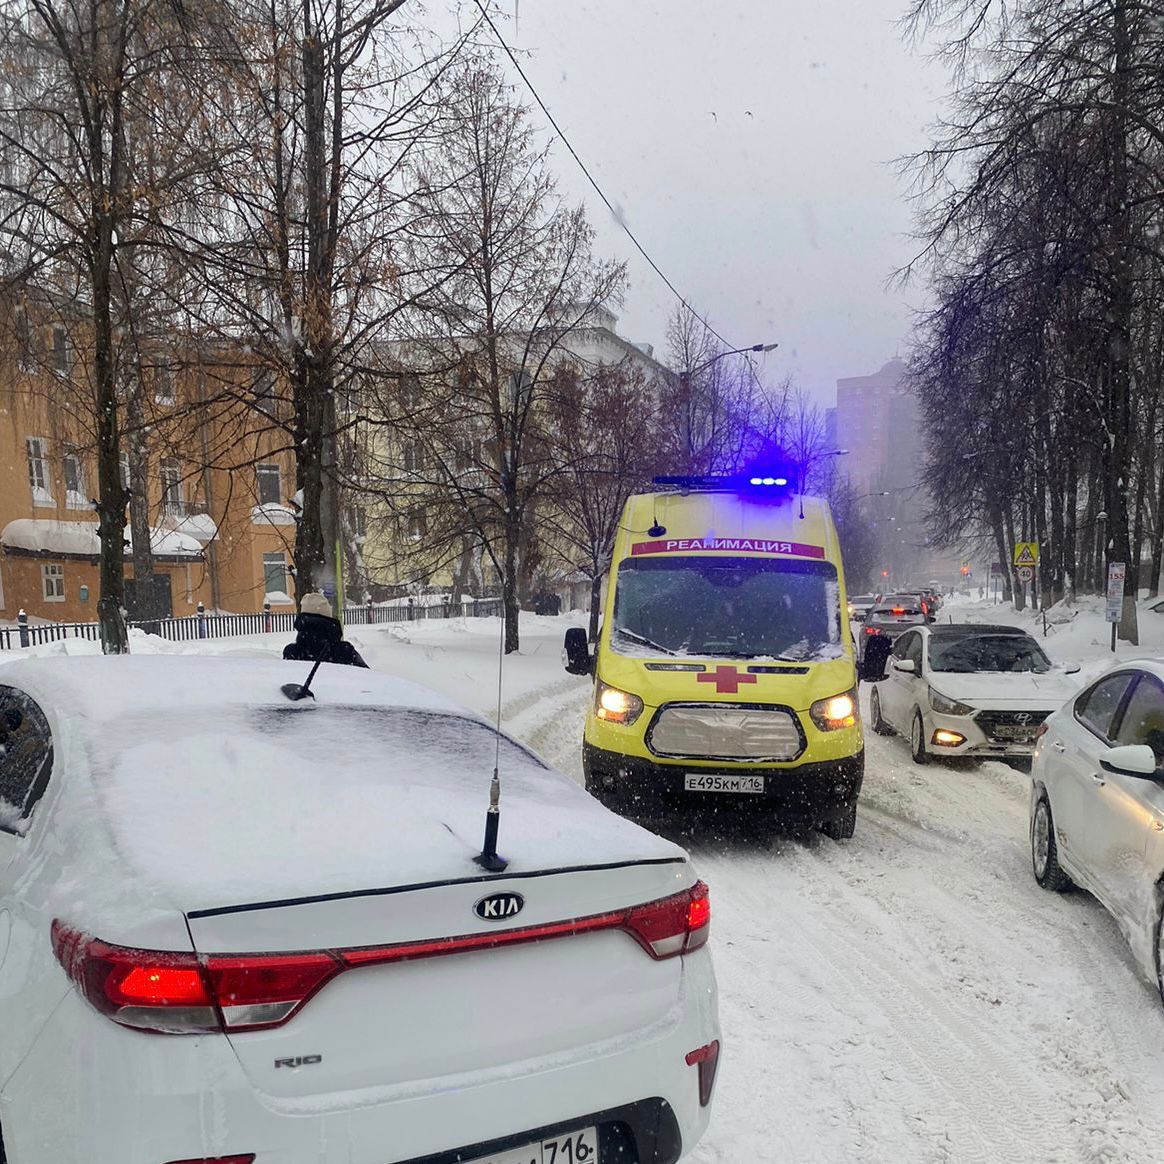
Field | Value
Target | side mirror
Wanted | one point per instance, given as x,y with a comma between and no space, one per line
1072,669
905,666
577,651
1131,760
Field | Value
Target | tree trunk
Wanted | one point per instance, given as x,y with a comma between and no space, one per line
509,579
1120,311
595,606
111,496
139,489
1001,548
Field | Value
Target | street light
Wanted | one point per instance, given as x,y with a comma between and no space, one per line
687,373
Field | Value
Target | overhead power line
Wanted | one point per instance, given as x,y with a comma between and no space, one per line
591,179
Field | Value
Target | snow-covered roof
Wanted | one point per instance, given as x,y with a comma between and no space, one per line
196,525
274,513
80,539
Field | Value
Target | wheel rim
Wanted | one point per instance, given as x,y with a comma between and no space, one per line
1041,838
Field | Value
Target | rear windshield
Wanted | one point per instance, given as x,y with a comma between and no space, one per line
987,653
728,607
337,743
864,599
897,609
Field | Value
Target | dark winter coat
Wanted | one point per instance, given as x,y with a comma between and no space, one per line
322,638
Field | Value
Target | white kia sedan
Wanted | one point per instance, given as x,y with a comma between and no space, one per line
1097,802
241,929
968,690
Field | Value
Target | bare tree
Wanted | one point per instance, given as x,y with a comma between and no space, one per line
82,88
523,281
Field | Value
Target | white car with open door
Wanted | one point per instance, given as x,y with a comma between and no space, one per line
241,929
1097,802
968,690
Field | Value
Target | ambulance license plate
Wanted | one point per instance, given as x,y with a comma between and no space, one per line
703,782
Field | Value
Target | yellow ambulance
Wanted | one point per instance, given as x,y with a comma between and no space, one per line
725,674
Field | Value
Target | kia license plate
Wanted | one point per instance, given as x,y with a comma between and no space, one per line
701,782
573,1148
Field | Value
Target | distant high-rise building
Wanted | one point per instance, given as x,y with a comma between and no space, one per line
867,422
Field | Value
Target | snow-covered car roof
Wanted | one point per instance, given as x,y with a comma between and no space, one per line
194,783
100,687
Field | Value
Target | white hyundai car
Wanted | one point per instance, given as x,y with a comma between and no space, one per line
968,690
1097,803
245,929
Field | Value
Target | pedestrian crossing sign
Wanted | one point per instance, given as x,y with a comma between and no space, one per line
1026,554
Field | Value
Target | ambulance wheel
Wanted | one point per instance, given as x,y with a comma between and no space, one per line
843,827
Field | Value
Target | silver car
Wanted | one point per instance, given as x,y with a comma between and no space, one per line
1097,803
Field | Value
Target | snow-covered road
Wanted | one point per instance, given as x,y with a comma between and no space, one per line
911,995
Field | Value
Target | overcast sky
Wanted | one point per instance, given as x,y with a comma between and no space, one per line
749,144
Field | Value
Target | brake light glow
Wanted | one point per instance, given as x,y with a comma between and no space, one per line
178,993
897,610
872,630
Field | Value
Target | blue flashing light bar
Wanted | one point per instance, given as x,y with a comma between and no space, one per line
777,480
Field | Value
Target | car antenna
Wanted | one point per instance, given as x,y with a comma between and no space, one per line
296,692
488,858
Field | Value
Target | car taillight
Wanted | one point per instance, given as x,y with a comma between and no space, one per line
872,630
245,1158
898,610
1041,730
174,993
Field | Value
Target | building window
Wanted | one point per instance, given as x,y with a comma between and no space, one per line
52,580
25,355
413,457
164,384
172,503
359,522
62,357
275,573
417,525
73,471
269,485
38,472
262,382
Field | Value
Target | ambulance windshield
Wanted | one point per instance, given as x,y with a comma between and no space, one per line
727,607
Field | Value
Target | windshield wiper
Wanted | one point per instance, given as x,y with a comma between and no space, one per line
642,640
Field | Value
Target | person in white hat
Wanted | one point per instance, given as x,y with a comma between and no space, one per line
319,635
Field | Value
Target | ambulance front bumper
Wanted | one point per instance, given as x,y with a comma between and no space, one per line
811,793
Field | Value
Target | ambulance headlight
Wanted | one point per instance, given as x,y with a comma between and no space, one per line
614,706
836,712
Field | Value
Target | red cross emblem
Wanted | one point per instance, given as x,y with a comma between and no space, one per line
726,679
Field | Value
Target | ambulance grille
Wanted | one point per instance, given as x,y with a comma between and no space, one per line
710,731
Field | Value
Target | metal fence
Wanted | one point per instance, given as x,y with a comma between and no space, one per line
218,626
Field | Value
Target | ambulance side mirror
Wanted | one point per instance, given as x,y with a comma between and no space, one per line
577,651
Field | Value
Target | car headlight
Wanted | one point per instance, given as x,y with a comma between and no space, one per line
614,706
836,712
940,703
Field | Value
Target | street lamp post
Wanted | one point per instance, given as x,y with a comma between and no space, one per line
685,386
